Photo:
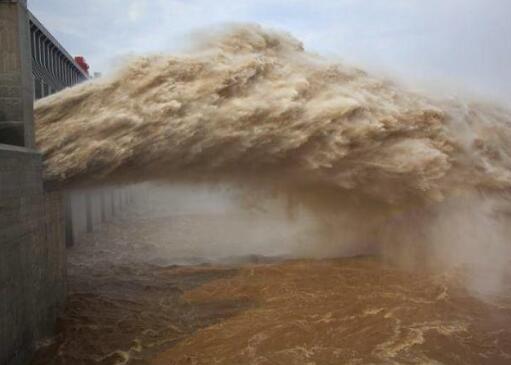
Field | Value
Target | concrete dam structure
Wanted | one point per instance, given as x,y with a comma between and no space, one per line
289,208
32,257
34,222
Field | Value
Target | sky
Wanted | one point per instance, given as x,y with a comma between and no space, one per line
459,44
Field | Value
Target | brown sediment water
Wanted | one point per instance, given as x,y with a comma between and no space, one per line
250,104
364,165
345,311
129,303
423,179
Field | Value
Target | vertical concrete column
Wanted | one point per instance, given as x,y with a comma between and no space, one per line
69,221
112,201
88,212
103,205
16,80
119,200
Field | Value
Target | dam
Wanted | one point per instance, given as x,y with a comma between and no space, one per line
33,233
244,201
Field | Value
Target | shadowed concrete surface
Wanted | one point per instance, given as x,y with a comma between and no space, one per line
32,255
16,86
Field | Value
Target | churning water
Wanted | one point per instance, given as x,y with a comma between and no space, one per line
375,168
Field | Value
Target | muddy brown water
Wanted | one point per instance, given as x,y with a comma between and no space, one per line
128,304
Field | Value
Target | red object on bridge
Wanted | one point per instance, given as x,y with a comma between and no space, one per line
83,65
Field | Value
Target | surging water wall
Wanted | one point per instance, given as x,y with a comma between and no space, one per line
374,161
251,104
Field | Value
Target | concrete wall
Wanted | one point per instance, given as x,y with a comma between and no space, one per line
32,255
16,81
32,247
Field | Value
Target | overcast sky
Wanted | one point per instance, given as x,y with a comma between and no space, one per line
459,42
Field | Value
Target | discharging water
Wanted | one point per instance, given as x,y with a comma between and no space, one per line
372,224
171,284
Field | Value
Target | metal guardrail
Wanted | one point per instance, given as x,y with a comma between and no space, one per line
52,66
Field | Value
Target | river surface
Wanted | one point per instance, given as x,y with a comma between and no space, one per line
161,289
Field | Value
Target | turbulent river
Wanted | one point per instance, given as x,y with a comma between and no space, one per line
163,285
391,243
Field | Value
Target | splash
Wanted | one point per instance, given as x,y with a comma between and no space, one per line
375,162
251,102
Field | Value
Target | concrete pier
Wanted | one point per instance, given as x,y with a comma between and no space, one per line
32,252
32,255
87,210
